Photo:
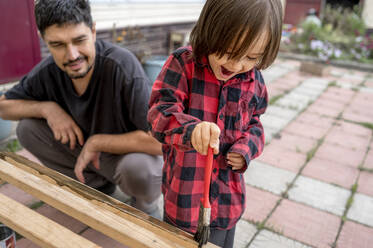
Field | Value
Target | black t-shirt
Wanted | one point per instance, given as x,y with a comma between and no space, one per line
115,101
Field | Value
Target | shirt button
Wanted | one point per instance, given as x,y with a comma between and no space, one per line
221,116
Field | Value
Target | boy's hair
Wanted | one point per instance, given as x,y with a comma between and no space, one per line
61,12
233,26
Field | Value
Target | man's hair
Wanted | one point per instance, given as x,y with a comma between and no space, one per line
233,26
61,12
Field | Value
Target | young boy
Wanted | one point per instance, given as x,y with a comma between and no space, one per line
212,94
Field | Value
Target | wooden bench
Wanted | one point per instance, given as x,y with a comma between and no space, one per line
103,213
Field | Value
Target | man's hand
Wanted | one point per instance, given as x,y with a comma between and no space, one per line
87,155
63,126
206,134
236,160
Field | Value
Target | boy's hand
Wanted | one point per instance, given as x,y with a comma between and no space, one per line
236,160
206,134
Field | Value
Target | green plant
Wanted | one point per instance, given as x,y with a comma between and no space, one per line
13,146
341,36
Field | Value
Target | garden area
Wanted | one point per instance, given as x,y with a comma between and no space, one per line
339,34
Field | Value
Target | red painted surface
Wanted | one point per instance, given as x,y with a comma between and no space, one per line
296,10
19,42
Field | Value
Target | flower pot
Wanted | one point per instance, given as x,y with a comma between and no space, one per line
5,128
153,66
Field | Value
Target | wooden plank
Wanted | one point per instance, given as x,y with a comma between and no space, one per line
38,228
86,211
165,232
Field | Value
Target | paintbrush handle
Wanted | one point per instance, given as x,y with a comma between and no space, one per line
207,178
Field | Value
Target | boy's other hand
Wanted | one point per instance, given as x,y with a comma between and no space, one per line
236,160
206,134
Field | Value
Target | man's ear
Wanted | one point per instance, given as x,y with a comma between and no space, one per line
40,34
94,30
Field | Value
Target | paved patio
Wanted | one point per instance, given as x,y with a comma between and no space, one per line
313,185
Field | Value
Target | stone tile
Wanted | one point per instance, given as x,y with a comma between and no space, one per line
269,132
305,130
369,83
277,86
101,239
368,163
316,83
340,154
314,119
28,155
353,142
353,78
365,96
274,91
291,104
305,224
351,128
286,83
295,96
259,204
365,184
61,218
282,158
362,99
355,235
244,233
296,76
294,142
267,239
358,117
267,177
331,172
337,72
360,108
25,243
288,114
313,93
18,194
324,110
319,195
338,94
329,103
361,209
274,122
366,90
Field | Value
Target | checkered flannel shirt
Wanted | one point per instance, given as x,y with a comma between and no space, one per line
185,93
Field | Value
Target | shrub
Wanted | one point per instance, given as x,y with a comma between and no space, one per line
341,36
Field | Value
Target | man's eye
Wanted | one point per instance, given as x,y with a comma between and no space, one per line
79,41
57,45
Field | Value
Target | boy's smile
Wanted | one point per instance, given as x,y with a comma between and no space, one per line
226,72
225,68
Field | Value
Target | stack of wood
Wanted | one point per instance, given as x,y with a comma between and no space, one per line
103,213
315,68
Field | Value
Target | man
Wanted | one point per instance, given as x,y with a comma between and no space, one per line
82,110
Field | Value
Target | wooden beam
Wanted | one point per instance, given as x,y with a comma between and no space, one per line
38,228
165,232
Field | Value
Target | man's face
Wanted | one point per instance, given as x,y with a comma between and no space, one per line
72,47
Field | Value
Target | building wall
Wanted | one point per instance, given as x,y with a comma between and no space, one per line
367,13
143,41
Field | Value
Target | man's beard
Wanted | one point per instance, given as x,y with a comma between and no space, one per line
81,75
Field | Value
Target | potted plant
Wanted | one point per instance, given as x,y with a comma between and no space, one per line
5,126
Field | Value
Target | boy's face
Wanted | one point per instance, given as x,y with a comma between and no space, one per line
225,68
72,47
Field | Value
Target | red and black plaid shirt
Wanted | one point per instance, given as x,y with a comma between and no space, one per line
185,93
